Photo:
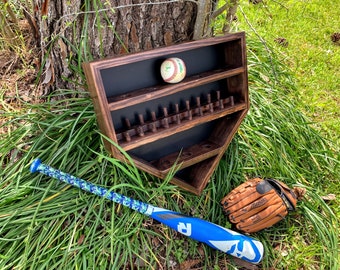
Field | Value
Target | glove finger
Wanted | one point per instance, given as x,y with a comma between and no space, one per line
243,191
264,219
247,198
257,227
249,201
242,213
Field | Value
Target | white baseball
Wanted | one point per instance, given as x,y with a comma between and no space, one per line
173,70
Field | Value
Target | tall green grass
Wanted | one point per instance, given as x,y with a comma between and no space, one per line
306,27
48,225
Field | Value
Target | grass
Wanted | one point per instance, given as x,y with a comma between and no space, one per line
48,225
307,27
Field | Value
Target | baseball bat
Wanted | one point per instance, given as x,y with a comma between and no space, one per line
215,236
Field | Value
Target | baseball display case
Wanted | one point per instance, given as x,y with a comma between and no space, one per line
187,124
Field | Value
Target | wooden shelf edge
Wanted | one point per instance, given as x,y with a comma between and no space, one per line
124,59
188,156
150,93
200,176
188,124
185,186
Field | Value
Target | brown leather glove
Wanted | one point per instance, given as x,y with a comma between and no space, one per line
260,203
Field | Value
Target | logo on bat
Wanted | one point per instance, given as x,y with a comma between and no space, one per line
241,249
184,228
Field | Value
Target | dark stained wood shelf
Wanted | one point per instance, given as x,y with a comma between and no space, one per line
188,156
162,132
154,92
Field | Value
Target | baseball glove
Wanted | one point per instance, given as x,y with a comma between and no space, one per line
260,203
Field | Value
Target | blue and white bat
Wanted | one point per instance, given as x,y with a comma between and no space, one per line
215,236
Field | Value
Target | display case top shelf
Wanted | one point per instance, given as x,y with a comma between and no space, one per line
150,93
232,40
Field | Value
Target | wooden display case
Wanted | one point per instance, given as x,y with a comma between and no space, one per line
190,123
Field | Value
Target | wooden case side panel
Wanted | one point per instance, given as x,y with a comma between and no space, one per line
97,93
236,53
245,65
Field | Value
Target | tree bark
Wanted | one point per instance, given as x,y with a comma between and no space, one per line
74,31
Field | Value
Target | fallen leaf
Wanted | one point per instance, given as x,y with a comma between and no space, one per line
329,197
81,239
189,264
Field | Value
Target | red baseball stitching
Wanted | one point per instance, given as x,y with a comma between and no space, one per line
175,71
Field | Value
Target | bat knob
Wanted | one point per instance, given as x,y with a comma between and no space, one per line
35,164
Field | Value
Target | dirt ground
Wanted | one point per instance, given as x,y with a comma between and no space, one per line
19,67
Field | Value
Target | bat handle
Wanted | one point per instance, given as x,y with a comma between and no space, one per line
136,205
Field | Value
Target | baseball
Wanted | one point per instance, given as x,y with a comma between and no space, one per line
173,70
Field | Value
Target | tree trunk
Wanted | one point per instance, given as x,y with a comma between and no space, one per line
73,31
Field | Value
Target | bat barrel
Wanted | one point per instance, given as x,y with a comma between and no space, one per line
136,205
217,237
